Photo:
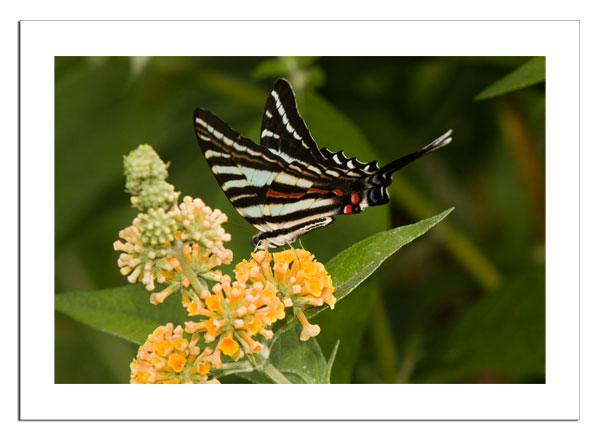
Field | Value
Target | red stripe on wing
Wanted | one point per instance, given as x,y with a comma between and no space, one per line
272,193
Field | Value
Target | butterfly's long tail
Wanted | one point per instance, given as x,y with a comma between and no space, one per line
376,184
394,166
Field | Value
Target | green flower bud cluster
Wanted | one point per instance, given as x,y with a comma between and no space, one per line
158,194
146,175
157,226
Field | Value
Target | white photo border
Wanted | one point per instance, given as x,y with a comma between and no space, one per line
558,41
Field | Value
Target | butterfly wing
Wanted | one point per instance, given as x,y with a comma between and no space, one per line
283,131
242,168
315,184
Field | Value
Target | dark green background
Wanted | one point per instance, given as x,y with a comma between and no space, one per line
465,303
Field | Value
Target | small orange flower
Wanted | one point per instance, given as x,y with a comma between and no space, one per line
177,362
167,357
228,345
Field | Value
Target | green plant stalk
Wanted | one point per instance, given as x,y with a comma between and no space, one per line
522,143
188,271
465,252
235,368
382,339
273,373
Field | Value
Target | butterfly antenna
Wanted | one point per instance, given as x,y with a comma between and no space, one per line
240,225
394,166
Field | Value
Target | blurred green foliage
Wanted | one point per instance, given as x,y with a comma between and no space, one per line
530,73
463,304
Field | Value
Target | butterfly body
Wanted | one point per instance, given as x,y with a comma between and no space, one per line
287,186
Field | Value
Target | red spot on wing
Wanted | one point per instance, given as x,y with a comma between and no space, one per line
355,198
337,192
348,209
272,193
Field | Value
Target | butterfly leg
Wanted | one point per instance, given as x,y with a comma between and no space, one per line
298,259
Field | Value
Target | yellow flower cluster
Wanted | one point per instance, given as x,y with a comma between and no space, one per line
300,280
168,357
234,314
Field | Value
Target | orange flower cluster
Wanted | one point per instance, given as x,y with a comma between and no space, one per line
234,314
300,280
168,357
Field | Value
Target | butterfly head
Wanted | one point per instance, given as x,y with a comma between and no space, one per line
264,241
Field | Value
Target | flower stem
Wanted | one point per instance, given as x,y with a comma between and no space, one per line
235,368
197,285
273,373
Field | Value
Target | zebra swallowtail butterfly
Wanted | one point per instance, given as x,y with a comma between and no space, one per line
287,186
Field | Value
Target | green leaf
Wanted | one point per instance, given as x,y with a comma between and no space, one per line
528,74
122,311
327,374
297,359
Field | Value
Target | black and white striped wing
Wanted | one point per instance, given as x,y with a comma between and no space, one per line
242,168
285,134
283,131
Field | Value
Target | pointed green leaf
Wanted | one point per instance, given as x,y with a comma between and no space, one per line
351,267
327,375
299,361
530,73
122,311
